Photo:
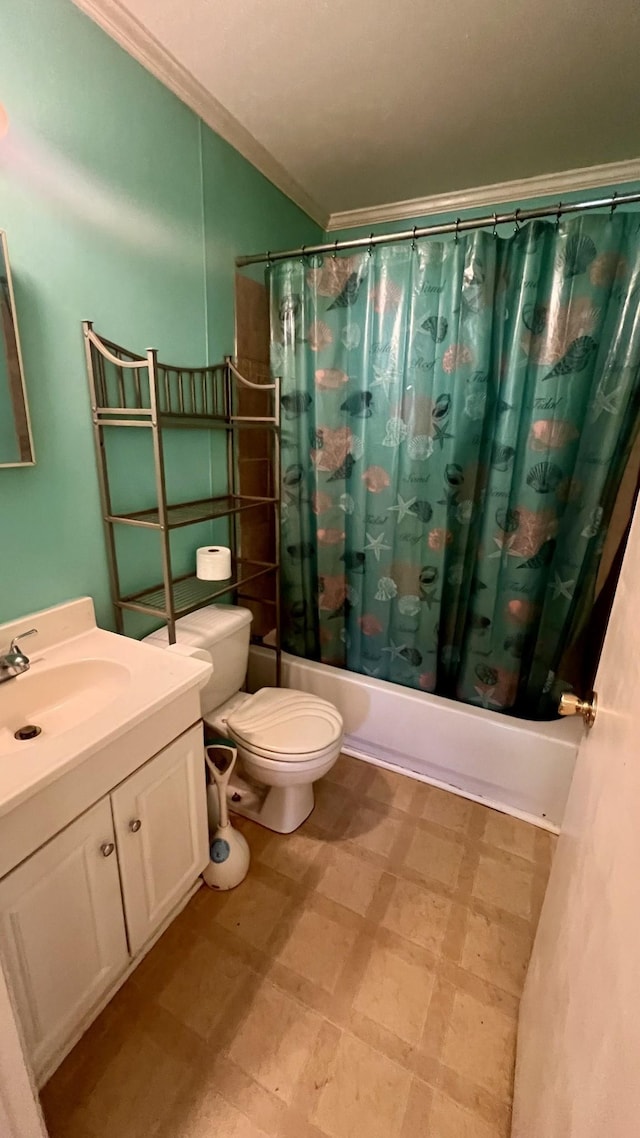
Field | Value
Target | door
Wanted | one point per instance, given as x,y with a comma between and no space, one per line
160,816
578,1064
62,933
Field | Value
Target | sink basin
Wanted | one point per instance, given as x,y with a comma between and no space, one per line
56,699
86,689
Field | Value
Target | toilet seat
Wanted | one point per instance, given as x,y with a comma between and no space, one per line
284,725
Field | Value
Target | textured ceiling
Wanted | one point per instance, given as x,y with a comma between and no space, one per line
371,101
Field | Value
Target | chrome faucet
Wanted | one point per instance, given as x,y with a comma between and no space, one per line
14,662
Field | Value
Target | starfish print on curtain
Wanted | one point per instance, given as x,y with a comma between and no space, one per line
456,420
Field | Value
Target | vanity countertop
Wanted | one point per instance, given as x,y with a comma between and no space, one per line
88,687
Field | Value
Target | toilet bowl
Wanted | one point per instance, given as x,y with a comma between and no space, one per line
286,739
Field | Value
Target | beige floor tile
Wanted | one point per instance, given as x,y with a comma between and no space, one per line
317,948
546,843
479,1045
433,857
330,801
504,884
448,1120
275,1041
449,810
389,788
374,830
292,854
202,982
366,1094
416,1119
252,911
150,1066
208,1115
418,914
348,772
349,880
510,834
138,1086
395,994
69,1123
496,953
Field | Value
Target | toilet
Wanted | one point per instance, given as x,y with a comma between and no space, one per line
286,739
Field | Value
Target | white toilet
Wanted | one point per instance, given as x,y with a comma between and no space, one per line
286,739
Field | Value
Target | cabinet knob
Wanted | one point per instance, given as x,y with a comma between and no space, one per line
107,848
135,825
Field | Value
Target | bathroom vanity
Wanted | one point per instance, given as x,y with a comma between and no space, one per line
103,820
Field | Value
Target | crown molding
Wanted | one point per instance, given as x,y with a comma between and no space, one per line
543,185
138,42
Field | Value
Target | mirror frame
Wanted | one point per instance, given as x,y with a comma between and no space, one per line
31,461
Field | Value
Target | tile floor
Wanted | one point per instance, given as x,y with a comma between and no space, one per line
363,982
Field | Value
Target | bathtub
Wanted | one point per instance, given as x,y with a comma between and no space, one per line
515,765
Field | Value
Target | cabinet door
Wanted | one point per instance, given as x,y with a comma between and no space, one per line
160,815
62,931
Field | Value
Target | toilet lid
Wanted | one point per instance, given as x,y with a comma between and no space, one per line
291,723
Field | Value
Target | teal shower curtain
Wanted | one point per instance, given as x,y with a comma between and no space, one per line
456,418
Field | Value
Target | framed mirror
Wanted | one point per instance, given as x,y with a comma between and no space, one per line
16,441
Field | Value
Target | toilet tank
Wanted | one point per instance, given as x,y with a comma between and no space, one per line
224,632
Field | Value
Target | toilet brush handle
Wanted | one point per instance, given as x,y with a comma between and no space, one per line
223,807
221,759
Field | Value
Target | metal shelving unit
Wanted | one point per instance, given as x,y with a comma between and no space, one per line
139,392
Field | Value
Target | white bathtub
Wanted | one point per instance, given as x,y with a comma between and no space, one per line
515,765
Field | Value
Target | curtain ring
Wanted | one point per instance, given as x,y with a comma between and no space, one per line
457,236
516,227
335,250
558,216
413,239
613,202
302,254
370,249
495,223
269,261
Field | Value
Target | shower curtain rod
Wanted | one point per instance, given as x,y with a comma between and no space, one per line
461,225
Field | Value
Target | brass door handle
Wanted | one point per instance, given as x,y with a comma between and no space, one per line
571,704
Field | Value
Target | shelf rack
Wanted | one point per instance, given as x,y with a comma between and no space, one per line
140,392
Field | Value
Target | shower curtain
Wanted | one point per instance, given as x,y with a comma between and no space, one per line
456,419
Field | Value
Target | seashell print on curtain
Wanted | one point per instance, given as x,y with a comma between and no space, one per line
456,419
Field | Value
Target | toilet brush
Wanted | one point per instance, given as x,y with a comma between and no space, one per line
229,852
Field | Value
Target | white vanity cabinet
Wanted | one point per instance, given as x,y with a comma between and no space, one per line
76,913
160,817
62,930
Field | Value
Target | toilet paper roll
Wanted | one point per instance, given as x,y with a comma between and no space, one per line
213,563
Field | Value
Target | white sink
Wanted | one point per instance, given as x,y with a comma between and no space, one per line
85,688
55,699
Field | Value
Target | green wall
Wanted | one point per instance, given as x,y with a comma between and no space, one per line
121,207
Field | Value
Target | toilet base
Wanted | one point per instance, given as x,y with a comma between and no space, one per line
283,808
278,808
